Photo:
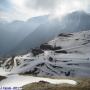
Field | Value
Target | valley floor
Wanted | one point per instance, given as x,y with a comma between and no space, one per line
42,83
21,80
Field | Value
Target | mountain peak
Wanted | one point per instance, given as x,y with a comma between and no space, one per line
38,18
78,14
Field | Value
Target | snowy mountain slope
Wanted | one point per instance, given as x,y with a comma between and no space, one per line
72,22
66,55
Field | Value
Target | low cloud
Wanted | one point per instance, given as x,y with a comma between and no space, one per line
42,4
24,9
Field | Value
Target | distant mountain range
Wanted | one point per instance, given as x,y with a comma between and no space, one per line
68,55
22,36
11,34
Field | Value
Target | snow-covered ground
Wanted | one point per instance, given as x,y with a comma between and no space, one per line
74,61
19,81
3,72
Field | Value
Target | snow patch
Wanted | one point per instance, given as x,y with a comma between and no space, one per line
19,81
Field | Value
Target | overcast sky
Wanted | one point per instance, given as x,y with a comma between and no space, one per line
24,9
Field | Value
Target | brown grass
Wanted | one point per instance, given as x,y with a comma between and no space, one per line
83,84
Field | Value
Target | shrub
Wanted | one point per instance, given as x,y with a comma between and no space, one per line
61,51
49,47
46,47
65,35
37,51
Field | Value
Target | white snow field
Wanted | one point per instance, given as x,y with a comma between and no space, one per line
3,72
19,81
